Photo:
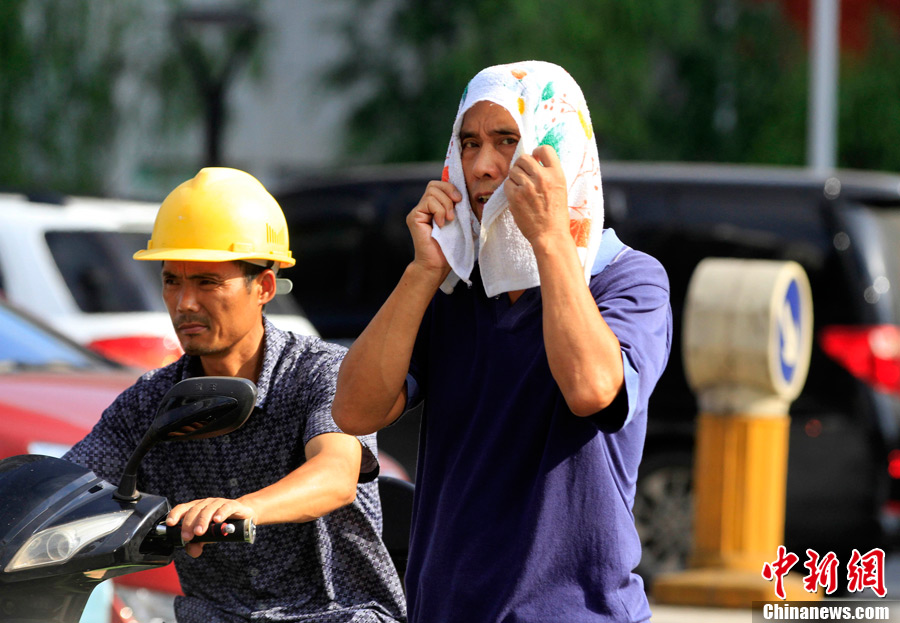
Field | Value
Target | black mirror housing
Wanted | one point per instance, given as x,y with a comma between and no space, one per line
195,408
203,407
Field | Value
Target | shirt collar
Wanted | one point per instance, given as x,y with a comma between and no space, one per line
274,340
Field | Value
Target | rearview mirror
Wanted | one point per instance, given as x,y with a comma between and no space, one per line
196,408
203,407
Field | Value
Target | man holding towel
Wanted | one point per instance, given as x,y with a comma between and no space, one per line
535,372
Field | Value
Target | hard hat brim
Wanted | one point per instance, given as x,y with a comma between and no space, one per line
208,255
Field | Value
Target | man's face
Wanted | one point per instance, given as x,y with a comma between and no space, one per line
211,307
487,138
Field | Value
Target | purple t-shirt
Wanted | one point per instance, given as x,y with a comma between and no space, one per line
523,510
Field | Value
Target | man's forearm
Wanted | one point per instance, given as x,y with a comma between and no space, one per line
370,387
325,482
584,354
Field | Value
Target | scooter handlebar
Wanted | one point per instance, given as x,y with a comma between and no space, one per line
228,531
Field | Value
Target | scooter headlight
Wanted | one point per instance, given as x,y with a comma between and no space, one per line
59,544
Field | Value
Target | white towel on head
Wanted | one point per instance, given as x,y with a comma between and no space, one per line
549,108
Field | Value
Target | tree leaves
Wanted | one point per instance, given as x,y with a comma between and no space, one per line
713,81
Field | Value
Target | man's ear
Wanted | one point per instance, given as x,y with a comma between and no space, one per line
266,282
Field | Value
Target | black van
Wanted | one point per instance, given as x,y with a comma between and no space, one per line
349,235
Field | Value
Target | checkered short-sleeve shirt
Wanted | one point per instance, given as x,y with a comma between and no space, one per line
331,570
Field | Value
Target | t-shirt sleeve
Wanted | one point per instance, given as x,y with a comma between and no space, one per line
321,382
633,297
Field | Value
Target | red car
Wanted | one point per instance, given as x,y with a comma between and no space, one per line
52,391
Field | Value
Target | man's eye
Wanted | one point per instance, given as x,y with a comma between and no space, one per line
469,144
510,140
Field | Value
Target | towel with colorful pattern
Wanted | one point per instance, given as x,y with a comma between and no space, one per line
550,109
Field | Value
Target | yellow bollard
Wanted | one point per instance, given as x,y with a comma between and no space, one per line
747,338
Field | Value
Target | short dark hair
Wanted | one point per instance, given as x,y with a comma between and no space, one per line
251,272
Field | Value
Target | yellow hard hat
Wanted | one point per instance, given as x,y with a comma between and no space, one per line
220,215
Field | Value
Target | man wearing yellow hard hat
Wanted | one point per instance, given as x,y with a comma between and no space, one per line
310,488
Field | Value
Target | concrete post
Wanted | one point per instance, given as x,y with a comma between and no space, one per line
747,337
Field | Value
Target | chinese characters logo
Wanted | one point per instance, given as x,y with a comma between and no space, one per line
863,571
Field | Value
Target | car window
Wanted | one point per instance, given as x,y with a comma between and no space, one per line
784,211
99,271
24,344
882,232
351,245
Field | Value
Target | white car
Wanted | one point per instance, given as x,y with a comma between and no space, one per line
70,264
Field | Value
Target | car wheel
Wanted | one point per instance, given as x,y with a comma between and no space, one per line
663,513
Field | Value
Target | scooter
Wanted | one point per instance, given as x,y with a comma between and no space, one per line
63,530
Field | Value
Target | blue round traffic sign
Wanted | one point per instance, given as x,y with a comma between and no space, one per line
790,332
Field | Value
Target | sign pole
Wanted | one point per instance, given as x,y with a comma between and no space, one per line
747,342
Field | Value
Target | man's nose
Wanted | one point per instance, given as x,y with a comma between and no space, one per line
488,162
187,299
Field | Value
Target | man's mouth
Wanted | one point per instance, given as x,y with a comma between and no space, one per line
482,198
190,327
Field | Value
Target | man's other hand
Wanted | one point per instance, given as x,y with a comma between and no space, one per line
538,195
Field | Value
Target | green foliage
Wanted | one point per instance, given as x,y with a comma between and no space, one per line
722,80
869,102
55,100
14,57
61,62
